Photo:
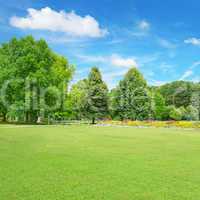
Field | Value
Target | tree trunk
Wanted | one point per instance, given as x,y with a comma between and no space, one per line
4,117
27,117
93,120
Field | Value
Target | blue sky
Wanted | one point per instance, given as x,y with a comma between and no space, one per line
161,38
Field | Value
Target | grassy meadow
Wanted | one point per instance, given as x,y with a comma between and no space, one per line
98,163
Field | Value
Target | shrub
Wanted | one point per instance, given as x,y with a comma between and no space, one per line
192,113
175,113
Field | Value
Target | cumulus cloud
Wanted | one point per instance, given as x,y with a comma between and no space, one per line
193,41
144,25
119,61
51,20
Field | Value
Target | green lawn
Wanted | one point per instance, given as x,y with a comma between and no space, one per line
90,163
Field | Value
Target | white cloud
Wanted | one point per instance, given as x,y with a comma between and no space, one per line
139,34
51,20
187,74
195,64
141,29
110,77
144,25
114,60
196,79
119,61
156,82
193,41
94,59
166,44
190,70
147,59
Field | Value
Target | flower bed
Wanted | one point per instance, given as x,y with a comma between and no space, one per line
157,124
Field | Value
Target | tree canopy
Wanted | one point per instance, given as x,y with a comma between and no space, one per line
34,83
132,100
30,72
97,96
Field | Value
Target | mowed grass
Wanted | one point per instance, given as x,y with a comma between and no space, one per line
90,163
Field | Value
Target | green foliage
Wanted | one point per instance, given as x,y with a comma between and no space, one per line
185,96
160,110
29,63
178,93
113,104
192,113
76,100
184,113
97,96
16,112
132,98
175,113
35,81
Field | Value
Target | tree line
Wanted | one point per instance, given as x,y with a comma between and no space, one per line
34,84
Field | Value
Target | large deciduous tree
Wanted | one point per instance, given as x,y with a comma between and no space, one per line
177,93
76,100
32,71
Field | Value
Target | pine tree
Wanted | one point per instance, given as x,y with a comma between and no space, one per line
132,97
97,96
